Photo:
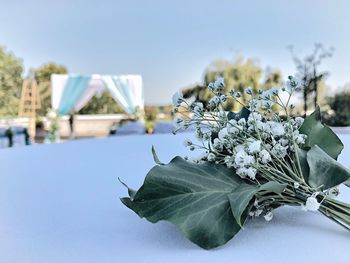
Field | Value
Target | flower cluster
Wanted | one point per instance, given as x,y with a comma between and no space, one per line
251,162
255,142
53,126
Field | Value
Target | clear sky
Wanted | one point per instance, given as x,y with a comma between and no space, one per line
170,43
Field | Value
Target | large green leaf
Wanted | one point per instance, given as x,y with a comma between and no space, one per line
347,183
191,196
318,134
240,199
303,163
325,171
242,196
272,187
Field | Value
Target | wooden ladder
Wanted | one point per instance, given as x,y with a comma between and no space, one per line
29,104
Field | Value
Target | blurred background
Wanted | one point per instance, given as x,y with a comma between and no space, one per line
78,69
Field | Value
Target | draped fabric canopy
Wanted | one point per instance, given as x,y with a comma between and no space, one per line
72,92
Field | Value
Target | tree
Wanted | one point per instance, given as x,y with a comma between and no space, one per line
101,105
11,70
238,75
42,76
308,73
340,105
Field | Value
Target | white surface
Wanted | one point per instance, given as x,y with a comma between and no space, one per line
60,203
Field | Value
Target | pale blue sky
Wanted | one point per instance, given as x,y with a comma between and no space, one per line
170,43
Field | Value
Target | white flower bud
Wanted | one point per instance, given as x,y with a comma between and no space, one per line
211,157
268,216
312,204
177,98
187,142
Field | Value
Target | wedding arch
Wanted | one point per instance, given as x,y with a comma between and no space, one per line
72,92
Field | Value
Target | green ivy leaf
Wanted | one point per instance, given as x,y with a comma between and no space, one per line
191,196
347,183
318,134
303,163
131,192
325,171
240,199
155,157
273,187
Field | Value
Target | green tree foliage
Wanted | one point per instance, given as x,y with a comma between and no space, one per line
104,104
238,75
308,72
11,70
340,104
42,76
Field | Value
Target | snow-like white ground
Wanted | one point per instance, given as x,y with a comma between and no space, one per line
60,203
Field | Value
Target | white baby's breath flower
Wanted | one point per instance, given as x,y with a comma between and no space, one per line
279,151
198,109
219,83
217,144
296,185
299,121
251,172
254,147
300,139
253,105
333,192
214,102
254,117
283,142
239,147
211,157
178,122
277,128
242,122
198,133
292,84
206,136
177,98
266,104
243,159
232,127
211,86
223,134
249,91
311,204
274,91
187,142
258,212
265,156
229,161
268,216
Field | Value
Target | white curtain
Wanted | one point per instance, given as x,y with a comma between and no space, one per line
126,91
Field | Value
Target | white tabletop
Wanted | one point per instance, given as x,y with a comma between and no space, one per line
60,203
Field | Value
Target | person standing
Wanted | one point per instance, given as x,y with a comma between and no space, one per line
71,125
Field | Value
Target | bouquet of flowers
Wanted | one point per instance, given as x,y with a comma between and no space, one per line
53,126
252,162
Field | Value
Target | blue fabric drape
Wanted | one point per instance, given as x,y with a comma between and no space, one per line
121,91
124,88
73,90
